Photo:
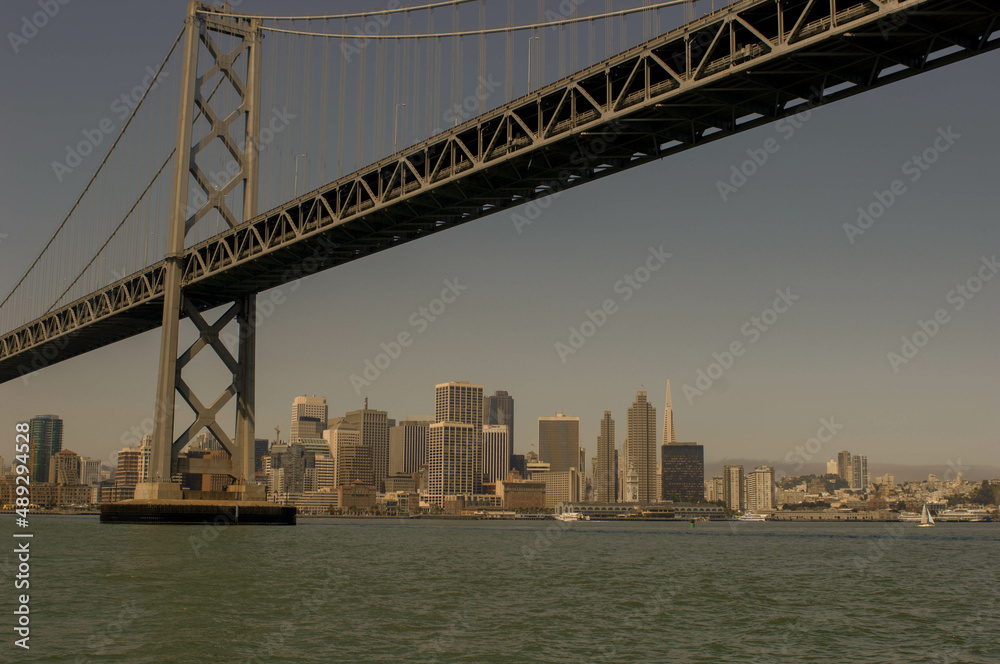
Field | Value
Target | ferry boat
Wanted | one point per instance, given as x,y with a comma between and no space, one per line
752,517
572,516
912,517
964,515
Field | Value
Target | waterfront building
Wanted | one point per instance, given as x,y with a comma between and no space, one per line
373,428
559,442
454,460
45,436
760,489
64,468
521,495
408,446
642,448
496,452
499,410
309,415
605,475
90,471
560,487
683,475
733,492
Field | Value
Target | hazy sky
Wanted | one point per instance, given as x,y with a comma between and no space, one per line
825,357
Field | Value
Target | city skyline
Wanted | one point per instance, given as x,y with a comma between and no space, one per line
827,357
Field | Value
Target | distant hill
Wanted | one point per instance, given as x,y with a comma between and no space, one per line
902,472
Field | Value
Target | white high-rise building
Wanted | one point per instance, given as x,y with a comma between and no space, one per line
831,467
496,452
455,441
669,434
308,418
760,489
90,471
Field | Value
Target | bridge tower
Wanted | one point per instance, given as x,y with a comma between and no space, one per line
212,31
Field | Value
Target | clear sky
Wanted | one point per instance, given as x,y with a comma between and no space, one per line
825,357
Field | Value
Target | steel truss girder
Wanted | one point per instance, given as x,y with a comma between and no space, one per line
730,71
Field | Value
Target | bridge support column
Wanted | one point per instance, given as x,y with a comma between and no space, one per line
240,66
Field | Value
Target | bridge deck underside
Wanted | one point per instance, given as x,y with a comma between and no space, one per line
614,116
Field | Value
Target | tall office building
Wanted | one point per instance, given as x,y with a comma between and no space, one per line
64,468
683,477
455,441
408,446
859,472
260,447
308,418
760,489
669,434
732,487
642,448
373,427
45,439
605,472
499,410
90,471
559,442
845,469
496,452
454,460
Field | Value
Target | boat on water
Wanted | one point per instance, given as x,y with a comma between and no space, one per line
572,516
913,517
926,520
752,517
964,515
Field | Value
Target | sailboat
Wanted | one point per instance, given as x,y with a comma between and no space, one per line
926,520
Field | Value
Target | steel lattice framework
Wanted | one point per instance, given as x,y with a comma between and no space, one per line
742,67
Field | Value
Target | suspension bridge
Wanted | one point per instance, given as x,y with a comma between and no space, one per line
409,121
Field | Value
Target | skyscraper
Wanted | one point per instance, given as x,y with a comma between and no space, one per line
496,452
454,461
308,418
559,442
373,427
499,409
760,489
669,434
64,468
642,447
683,478
605,473
455,441
732,487
844,467
408,447
859,472
46,435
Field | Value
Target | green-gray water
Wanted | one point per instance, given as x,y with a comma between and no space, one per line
474,591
